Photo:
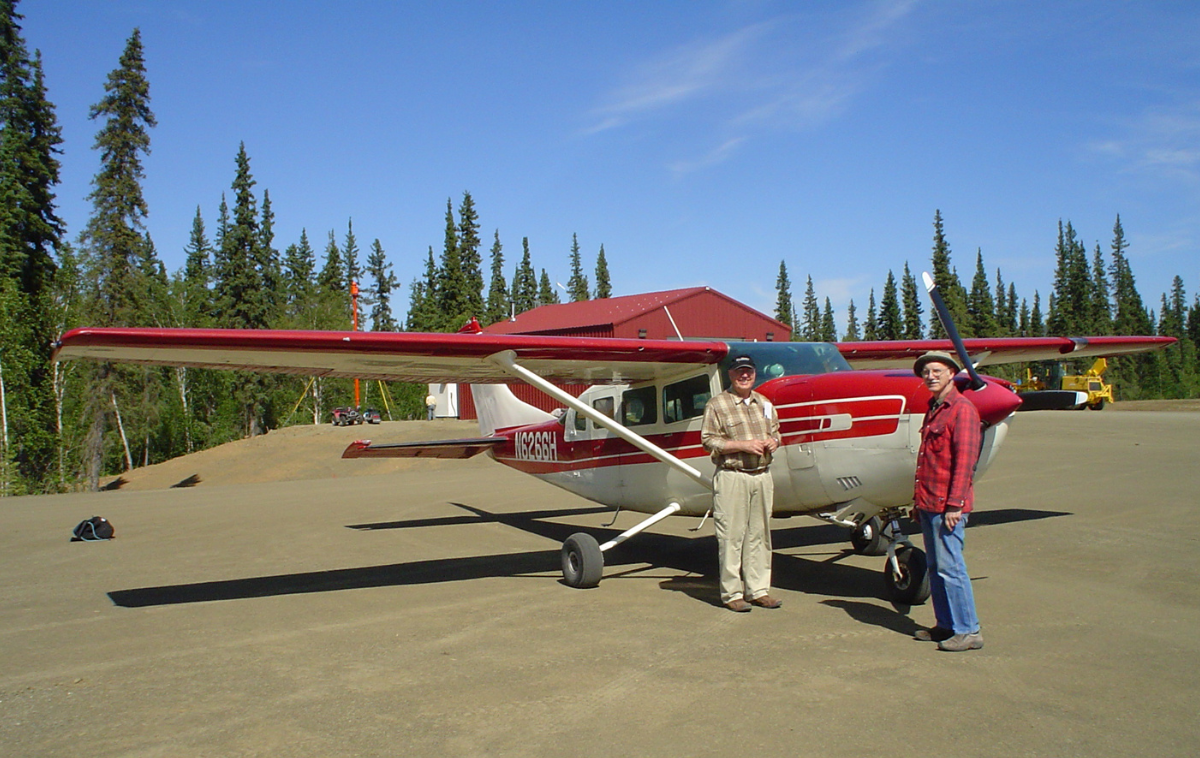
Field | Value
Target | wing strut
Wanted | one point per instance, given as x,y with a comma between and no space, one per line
507,360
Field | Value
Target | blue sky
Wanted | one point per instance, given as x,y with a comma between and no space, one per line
700,142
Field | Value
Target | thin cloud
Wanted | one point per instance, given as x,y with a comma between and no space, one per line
784,74
681,75
1161,142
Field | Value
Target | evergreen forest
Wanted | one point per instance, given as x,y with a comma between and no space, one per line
68,425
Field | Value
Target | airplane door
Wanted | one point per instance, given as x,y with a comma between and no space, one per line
799,485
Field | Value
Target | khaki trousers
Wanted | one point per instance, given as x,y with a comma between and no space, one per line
742,514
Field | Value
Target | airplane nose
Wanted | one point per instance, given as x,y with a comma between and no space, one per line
994,401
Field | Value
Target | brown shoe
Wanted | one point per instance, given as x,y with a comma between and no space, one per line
766,601
960,643
738,606
934,634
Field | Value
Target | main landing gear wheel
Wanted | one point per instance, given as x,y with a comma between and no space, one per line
911,587
867,538
582,561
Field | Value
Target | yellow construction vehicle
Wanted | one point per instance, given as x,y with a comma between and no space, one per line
1056,389
1093,384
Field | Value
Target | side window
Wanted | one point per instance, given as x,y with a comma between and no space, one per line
686,399
604,405
580,421
638,406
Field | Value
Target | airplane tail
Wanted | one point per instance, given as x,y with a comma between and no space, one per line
498,408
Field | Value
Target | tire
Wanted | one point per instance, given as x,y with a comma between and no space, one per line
1098,405
582,561
912,588
867,537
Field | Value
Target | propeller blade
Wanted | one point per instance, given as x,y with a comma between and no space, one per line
1051,400
943,313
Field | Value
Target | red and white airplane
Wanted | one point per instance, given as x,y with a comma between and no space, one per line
850,413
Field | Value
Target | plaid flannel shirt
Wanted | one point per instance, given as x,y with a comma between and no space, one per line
951,438
727,417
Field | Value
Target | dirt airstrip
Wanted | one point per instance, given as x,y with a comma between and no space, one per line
296,604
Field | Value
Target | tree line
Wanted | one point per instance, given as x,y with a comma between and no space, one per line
1094,296
66,426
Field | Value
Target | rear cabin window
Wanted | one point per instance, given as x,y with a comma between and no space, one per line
638,406
603,405
686,399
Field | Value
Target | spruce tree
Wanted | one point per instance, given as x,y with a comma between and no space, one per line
1036,327
470,260
1129,315
603,282
333,272
853,333
828,327
30,234
869,333
423,299
497,300
889,324
350,255
981,308
112,238
451,284
546,293
946,279
577,285
810,323
299,266
379,291
1072,302
241,296
784,310
910,298
240,287
524,284
1101,316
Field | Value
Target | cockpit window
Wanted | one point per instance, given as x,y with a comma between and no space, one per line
637,406
776,359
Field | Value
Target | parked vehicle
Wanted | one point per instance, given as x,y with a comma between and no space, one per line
371,416
345,416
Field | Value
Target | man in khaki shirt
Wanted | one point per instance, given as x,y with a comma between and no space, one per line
740,432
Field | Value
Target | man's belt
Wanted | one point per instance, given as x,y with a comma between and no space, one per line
761,470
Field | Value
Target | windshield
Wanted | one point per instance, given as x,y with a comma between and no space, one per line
776,359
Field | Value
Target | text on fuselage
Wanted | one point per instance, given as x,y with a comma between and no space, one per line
536,446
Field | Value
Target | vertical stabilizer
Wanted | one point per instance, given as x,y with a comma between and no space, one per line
498,408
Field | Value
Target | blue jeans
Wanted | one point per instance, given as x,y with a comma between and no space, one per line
949,582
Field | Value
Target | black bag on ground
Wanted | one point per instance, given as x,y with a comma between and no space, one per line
93,529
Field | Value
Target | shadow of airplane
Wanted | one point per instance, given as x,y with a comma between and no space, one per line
695,556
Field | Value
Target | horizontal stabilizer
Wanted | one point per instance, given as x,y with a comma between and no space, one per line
440,449
1051,400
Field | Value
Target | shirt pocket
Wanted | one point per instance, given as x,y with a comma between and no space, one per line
738,429
937,436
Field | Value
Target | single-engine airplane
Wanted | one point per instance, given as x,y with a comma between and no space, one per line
850,413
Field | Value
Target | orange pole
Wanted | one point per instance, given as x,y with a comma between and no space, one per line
354,321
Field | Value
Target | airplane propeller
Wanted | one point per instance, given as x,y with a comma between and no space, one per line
977,382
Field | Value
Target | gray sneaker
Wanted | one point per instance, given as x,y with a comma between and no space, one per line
960,642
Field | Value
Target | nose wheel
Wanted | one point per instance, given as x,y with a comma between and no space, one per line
906,573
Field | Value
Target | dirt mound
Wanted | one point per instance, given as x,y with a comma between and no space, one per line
297,452
1187,406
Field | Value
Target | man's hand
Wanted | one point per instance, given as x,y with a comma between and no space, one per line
953,516
754,447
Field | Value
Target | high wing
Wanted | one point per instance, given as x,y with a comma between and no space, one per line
996,350
393,356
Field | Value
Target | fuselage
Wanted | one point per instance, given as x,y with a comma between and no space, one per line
850,438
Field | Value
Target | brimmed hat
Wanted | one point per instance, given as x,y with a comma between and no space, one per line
938,356
742,361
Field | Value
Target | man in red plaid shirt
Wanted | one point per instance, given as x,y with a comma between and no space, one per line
944,495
